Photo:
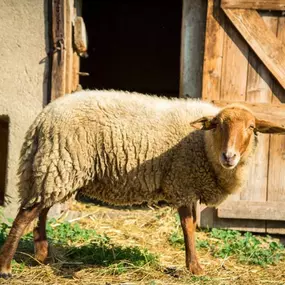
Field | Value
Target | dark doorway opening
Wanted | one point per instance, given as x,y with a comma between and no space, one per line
4,132
133,45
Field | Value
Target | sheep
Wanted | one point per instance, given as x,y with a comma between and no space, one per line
129,148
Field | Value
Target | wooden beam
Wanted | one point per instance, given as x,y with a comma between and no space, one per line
59,52
213,55
264,43
192,47
272,112
254,4
252,210
68,46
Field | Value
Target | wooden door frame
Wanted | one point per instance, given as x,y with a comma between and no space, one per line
65,63
230,213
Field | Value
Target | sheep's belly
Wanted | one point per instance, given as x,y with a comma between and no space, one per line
124,192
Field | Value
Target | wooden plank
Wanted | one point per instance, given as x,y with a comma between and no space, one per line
76,60
59,54
253,210
264,43
213,56
68,46
192,47
276,162
259,89
259,80
279,91
275,227
255,4
276,174
235,65
209,219
272,112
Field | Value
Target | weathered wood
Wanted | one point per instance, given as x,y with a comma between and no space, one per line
264,43
255,4
68,46
59,52
254,210
210,219
76,59
235,65
259,89
278,90
192,47
276,174
213,57
276,159
275,113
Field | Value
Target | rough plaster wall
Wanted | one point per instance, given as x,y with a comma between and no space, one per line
23,75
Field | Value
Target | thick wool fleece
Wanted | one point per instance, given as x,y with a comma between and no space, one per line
119,147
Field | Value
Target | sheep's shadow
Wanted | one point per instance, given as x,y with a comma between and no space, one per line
66,259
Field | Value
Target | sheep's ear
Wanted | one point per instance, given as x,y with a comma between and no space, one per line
204,123
268,127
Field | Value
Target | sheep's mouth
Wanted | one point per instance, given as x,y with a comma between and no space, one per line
229,165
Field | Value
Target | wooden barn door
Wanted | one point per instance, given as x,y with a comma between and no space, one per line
244,62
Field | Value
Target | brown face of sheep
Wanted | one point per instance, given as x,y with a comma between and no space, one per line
233,130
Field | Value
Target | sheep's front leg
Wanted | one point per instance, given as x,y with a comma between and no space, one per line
23,219
188,222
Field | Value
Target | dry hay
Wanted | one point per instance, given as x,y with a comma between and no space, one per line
148,229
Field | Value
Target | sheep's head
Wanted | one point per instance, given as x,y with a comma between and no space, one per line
233,131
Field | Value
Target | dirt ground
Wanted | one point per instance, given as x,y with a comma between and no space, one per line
144,228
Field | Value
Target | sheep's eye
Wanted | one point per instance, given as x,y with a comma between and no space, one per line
251,127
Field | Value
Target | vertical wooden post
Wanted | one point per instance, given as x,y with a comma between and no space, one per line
68,45
76,59
58,52
192,47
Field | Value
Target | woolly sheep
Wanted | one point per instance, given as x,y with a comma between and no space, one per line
128,148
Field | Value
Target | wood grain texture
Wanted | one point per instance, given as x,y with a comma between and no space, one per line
259,89
59,54
210,219
235,65
276,174
252,210
271,112
75,57
264,43
278,90
213,57
255,4
68,46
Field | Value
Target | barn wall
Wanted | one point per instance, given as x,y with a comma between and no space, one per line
23,76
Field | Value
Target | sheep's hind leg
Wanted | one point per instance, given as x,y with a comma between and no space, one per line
188,222
40,237
23,219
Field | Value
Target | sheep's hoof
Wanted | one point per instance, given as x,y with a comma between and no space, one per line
5,275
195,268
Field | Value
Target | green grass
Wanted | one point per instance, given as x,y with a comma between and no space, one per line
245,247
85,246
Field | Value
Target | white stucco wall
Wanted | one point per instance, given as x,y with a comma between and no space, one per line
23,78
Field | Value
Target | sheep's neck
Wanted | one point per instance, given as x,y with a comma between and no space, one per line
230,180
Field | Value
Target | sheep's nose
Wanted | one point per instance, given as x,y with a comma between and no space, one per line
229,156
